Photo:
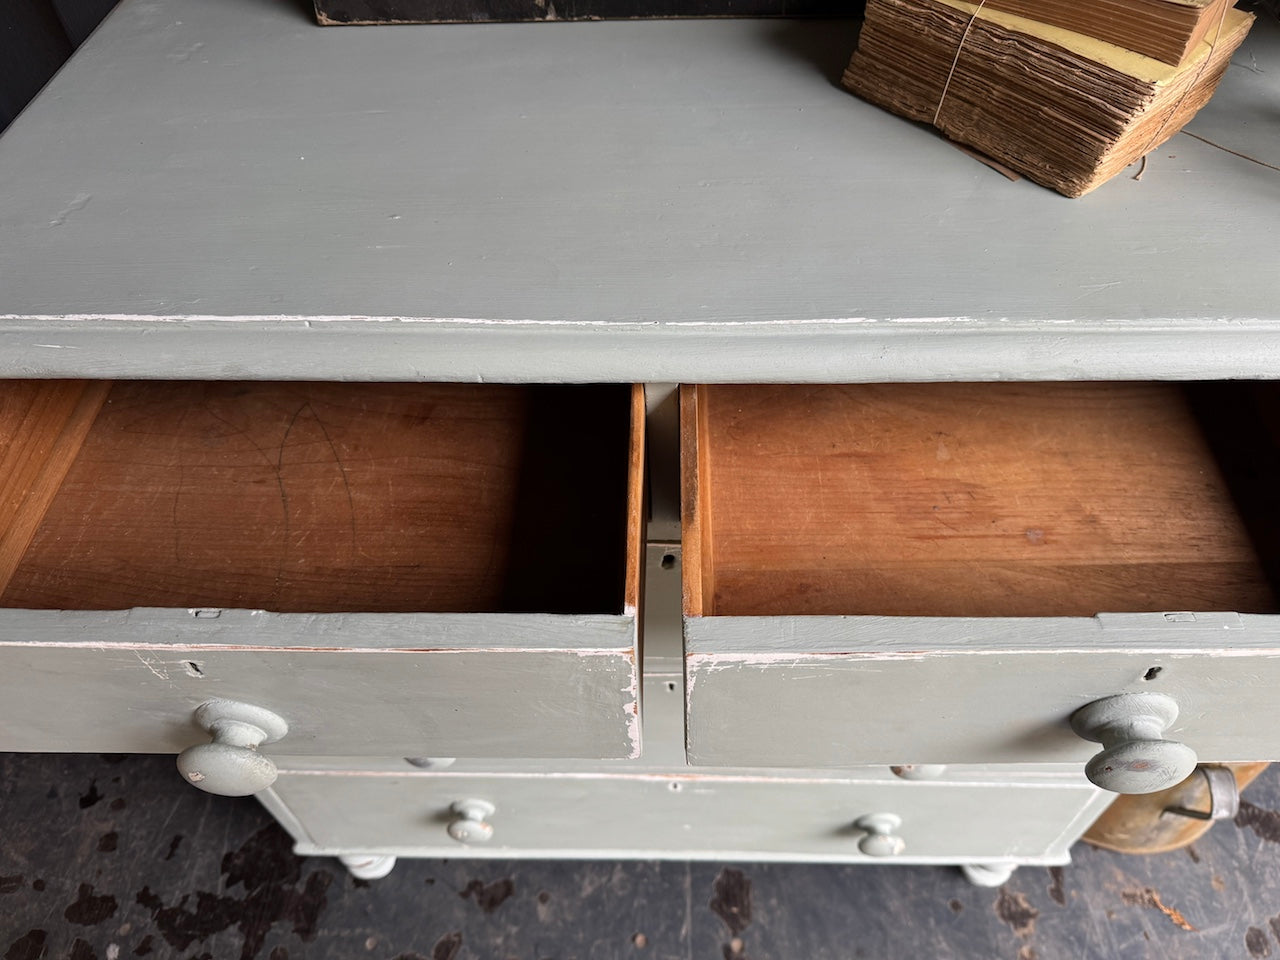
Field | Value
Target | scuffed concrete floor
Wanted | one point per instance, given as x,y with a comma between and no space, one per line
114,858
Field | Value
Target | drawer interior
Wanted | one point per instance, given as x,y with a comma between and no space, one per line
979,500
318,497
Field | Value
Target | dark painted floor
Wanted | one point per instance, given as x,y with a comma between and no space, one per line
110,857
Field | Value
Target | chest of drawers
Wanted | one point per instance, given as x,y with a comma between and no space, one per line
304,257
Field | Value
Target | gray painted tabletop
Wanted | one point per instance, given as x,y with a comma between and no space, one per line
227,190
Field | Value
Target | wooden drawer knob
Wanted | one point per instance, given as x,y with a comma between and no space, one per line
231,766
1135,757
469,824
881,839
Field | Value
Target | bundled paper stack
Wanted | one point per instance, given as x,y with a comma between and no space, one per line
1069,98
1167,30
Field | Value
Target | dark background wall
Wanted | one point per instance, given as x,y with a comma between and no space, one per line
36,37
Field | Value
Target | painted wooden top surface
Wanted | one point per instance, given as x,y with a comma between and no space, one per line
226,190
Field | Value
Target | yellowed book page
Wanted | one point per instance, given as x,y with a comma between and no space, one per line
1108,54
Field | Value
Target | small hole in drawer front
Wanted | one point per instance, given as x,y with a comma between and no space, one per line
983,500
318,497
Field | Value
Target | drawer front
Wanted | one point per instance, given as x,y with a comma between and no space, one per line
909,573
681,817
852,690
434,576
386,684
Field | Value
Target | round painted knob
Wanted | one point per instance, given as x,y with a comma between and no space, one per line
231,765
1135,757
881,839
469,824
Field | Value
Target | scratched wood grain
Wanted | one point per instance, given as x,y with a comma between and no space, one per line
329,497
962,500
42,426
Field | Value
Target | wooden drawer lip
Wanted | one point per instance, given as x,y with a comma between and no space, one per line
709,817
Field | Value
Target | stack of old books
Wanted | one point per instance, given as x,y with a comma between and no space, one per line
1066,92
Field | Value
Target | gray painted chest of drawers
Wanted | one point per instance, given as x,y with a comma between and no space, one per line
255,227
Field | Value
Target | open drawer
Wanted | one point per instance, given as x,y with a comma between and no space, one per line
392,569
949,573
